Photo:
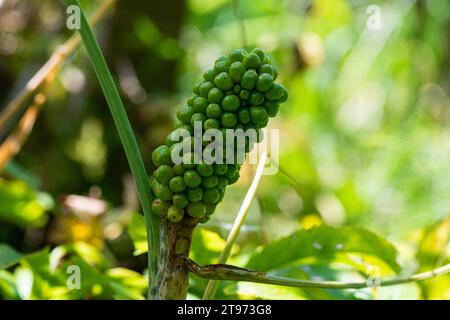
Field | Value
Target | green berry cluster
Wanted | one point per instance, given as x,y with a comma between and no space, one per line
239,92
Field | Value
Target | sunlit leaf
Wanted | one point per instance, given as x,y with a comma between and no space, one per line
8,256
324,244
206,246
433,252
22,205
8,286
138,234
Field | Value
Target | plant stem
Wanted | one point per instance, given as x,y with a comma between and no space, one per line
237,224
238,14
128,140
233,273
13,143
49,67
173,274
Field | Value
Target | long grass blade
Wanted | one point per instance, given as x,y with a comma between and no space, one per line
128,140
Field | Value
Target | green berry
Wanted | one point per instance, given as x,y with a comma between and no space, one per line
185,113
243,115
256,98
223,81
222,195
180,200
209,75
179,169
211,196
161,155
275,93
232,170
284,96
195,87
266,68
215,95
248,80
204,88
200,104
213,111
160,207
244,95
190,100
178,123
272,107
210,208
222,182
196,210
222,58
197,117
176,184
233,179
204,219
275,73
264,82
220,169
260,53
221,65
175,214
237,69
204,169
230,103
195,194
258,115
192,179
164,173
212,124
236,55
210,182
251,61
228,120
161,191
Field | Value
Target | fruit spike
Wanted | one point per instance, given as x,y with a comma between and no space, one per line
239,92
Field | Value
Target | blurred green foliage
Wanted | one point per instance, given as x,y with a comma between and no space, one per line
365,135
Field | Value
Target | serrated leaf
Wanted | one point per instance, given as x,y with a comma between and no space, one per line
325,244
8,256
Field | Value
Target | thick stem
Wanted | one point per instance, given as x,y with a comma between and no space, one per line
173,274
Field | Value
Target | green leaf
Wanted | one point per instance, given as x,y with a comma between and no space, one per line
23,206
324,244
433,252
206,246
138,234
8,256
8,287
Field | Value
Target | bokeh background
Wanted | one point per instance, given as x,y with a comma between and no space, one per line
365,140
